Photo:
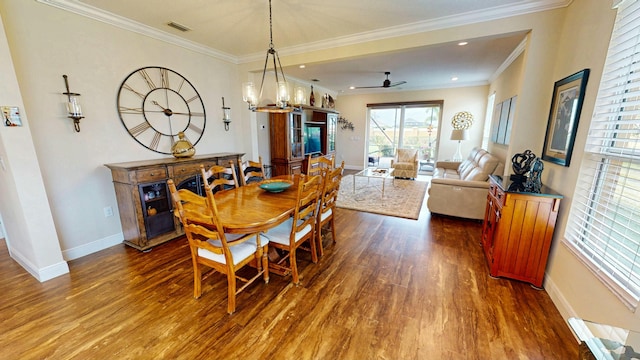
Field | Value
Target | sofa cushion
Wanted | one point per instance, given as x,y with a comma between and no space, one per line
465,167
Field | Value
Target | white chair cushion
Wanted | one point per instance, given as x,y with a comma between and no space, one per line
280,234
325,215
239,252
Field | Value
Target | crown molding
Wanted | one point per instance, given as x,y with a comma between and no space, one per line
471,17
445,22
510,59
134,26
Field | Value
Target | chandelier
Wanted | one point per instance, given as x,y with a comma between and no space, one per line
252,98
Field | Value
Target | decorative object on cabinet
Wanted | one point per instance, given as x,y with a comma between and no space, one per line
534,179
521,164
517,231
253,99
156,104
226,115
566,105
74,110
459,135
345,124
312,98
503,115
331,104
183,147
141,188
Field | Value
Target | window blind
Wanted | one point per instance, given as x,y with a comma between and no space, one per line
604,223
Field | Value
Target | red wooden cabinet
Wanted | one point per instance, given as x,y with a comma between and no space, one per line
518,230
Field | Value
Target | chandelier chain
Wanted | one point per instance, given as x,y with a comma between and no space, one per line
270,27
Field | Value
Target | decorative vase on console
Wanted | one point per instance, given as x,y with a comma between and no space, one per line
183,147
521,164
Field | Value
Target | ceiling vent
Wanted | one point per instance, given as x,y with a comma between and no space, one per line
177,26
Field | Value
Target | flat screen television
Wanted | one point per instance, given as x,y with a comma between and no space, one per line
312,137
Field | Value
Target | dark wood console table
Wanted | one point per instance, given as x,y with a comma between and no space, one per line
143,198
517,231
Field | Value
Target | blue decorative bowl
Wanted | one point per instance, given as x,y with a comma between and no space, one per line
275,186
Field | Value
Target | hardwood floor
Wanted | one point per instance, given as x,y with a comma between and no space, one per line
390,288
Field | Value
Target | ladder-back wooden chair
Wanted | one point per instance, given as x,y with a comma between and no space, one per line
316,164
293,233
251,171
328,198
220,178
211,247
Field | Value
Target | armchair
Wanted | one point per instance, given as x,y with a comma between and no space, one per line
405,163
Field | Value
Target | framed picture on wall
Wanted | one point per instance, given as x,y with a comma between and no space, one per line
566,105
502,121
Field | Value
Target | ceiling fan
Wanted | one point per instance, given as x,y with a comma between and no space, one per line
385,84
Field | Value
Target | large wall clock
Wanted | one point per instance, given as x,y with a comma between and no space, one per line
156,103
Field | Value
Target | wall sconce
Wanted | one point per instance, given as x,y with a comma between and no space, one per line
226,115
73,106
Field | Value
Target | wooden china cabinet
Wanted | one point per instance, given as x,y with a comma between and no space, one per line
144,203
518,230
295,135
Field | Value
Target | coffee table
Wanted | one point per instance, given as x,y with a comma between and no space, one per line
374,173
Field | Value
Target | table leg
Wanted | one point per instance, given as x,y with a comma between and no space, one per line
383,180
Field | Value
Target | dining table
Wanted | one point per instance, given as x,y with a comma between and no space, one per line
249,208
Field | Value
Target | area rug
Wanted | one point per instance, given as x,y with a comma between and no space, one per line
402,198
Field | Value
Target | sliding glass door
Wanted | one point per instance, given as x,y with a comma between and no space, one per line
403,125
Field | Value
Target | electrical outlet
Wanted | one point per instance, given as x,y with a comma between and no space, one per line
108,211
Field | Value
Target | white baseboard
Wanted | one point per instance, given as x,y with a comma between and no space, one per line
558,299
42,274
94,246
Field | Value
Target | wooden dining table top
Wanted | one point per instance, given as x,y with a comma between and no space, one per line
249,208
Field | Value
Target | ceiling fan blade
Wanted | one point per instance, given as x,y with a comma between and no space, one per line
385,84
398,83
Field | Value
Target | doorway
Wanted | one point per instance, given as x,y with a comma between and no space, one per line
412,125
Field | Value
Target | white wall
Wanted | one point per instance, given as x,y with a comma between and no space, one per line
573,288
351,145
46,43
30,232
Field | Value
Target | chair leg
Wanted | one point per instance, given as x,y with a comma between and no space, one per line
333,229
294,266
312,245
319,239
231,291
197,280
265,264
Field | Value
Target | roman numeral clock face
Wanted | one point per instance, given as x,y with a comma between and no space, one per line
155,104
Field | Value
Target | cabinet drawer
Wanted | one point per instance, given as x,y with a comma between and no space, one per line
499,196
151,174
186,169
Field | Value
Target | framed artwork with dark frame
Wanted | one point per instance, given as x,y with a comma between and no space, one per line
566,105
